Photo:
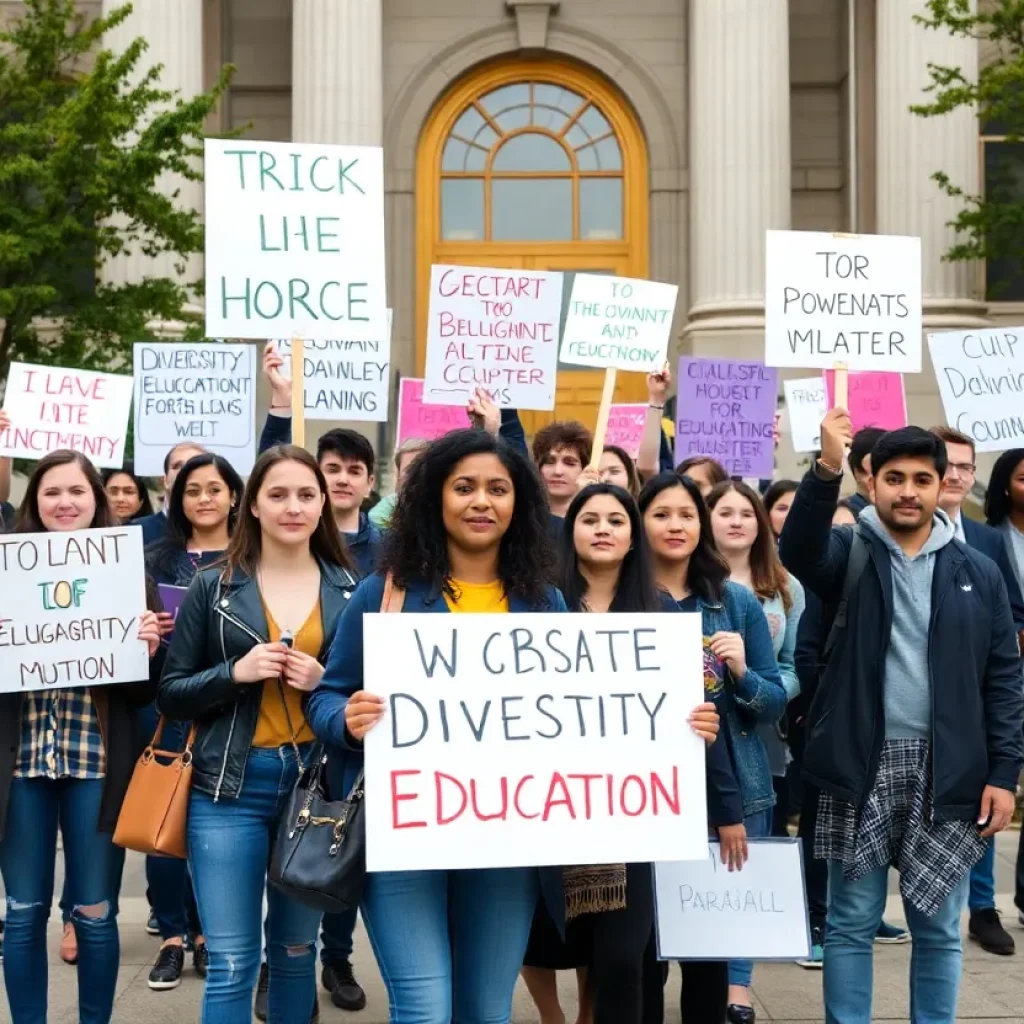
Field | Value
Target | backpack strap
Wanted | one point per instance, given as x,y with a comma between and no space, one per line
856,563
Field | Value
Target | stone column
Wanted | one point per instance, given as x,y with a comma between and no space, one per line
338,72
739,167
174,31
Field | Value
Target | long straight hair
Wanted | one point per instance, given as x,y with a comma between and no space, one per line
766,570
635,590
243,553
28,520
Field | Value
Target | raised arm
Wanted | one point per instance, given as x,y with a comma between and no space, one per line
278,427
648,460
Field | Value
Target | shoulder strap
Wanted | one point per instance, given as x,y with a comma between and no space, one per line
856,563
394,597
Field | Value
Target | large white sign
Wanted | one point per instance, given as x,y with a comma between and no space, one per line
618,323
513,740
200,393
54,407
294,240
71,609
806,405
853,299
981,381
704,911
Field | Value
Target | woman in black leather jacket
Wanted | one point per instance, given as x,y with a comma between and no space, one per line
286,574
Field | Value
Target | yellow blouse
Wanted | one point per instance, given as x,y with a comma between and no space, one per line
272,726
477,597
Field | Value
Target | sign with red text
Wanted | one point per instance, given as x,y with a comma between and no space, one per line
71,609
425,422
875,399
626,426
53,407
294,240
492,329
516,740
618,323
851,299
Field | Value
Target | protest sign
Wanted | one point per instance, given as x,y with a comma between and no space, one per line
425,422
981,381
726,409
171,598
71,610
618,323
200,393
492,329
512,740
806,404
873,399
706,912
294,240
843,299
626,426
54,407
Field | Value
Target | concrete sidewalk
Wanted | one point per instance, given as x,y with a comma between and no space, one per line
992,987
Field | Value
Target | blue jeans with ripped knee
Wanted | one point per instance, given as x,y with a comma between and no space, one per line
92,866
229,844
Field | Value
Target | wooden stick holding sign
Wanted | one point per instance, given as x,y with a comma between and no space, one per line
298,393
601,429
842,386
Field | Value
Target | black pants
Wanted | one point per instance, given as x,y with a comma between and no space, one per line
815,871
705,991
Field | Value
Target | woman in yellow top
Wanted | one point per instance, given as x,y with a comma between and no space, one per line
248,647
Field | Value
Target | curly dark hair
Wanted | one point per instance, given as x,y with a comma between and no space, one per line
998,504
416,544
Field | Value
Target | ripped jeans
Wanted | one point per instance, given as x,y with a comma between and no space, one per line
229,845
92,865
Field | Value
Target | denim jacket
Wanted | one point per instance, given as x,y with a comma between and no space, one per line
758,697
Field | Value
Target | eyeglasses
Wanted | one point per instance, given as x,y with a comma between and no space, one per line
963,468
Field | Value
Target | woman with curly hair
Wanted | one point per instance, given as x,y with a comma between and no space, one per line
469,533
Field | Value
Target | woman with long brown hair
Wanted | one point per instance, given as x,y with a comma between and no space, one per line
285,575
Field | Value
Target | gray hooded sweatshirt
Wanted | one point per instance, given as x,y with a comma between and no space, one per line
906,683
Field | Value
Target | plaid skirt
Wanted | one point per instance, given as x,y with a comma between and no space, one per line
896,828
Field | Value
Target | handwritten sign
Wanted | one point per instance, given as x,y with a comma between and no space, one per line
54,407
492,329
619,323
853,299
71,609
706,912
806,404
626,426
875,399
425,422
201,393
294,240
726,409
533,739
981,381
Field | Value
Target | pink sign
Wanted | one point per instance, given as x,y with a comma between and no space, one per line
626,426
876,399
425,421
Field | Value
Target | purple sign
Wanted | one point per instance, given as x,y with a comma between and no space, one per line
171,597
726,410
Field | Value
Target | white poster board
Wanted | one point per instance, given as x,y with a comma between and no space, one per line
806,405
493,329
853,299
531,739
54,407
981,381
294,240
71,609
620,323
703,911
200,393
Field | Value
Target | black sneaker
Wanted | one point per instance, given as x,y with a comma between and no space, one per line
346,992
166,973
152,925
988,931
262,986
200,959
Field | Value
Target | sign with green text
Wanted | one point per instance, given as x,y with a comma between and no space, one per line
294,241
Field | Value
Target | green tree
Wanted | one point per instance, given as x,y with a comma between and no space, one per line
990,226
84,136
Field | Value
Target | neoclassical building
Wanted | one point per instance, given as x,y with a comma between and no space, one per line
652,138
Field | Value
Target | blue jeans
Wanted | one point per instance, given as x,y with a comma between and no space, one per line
92,864
450,944
229,844
758,826
854,912
336,937
983,881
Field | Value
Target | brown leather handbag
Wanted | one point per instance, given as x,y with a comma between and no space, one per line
155,809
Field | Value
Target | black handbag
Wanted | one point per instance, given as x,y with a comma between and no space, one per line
319,854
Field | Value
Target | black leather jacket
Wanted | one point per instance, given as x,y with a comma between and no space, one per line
219,622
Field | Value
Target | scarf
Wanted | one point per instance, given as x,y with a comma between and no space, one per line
594,889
